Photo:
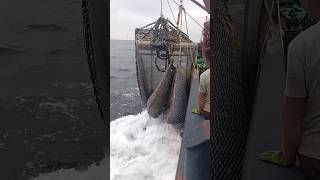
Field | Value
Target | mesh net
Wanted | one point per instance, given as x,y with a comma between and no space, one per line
229,125
178,100
171,56
159,98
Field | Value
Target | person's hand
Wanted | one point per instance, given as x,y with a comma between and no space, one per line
276,157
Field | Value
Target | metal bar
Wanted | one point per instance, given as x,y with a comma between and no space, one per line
201,6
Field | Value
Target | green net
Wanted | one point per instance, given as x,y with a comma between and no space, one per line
296,17
202,65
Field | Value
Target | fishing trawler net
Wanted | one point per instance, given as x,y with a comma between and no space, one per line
229,128
162,47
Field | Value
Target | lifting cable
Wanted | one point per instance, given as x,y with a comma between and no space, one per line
190,16
179,23
180,31
185,17
174,18
161,8
269,11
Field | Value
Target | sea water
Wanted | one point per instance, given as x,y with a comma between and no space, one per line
143,148
140,147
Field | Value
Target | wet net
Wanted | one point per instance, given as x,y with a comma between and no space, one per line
161,48
229,125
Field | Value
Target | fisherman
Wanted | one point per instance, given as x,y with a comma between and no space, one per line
301,113
204,87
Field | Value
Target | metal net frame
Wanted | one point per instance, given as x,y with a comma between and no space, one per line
162,29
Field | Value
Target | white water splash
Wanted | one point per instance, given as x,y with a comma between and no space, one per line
143,148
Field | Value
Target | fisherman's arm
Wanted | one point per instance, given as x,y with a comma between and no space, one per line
202,98
296,95
202,92
294,106
293,114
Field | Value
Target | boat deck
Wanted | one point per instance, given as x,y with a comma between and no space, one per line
194,155
266,125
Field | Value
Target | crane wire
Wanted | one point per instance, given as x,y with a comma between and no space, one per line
194,20
161,8
179,20
180,31
185,19
174,18
190,16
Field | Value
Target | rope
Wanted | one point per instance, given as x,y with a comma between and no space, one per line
174,18
194,20
190,16
269,12
151,65
280,34
193,59
178,19
175,2
161,8
185,18
180,10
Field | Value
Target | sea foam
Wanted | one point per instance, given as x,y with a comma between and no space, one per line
143,148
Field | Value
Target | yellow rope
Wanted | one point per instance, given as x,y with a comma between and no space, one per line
269,12
180,35
280,31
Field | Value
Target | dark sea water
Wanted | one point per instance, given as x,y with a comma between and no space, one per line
48,116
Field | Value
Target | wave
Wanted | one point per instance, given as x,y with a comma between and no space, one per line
75,1
126,70
77,41
48,27
11,50
143,148
51,109
74,86
55,51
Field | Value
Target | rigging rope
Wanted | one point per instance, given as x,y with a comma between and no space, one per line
185,18
174,18
281,35
180,31
161,8
190,16
194,20
175,2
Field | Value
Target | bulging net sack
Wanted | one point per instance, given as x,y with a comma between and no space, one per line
159,98
179,98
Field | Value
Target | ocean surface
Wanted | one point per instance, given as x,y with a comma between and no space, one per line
49,122
124,92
